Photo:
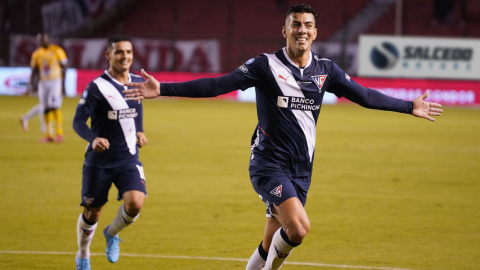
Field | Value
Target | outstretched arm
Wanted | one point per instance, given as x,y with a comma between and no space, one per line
206,87
423,109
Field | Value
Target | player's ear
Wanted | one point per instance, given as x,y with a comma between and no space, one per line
107,55
284,32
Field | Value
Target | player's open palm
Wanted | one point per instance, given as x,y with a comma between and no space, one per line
424,109
148,89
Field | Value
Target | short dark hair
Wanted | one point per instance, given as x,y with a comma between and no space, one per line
117,38
302,8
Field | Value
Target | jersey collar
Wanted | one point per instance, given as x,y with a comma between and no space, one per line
291,62
113,79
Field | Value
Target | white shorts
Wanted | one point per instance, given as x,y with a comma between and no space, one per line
50,93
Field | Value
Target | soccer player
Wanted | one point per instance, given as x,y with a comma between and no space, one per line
49,62
290,85
112,153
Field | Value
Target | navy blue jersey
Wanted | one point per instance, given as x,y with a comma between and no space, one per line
289,99
112,118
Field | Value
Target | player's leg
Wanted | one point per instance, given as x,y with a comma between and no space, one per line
259,256
43,99
128,211
295,226
86,226
29,115
284,197
55,102
95,185
130,183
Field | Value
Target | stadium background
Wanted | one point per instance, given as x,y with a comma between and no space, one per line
389,191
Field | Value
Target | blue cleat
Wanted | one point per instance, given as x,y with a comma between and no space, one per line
83,264
113,249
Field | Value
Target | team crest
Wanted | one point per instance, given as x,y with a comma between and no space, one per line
88,201
87,232
319,80
280,254
277,191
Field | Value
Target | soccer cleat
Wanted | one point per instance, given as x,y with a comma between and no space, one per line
59,139
113,248
46,140
83,264
24,124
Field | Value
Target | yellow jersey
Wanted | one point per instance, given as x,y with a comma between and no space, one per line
48,61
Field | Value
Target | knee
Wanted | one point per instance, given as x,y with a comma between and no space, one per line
92,214
298,232
133,207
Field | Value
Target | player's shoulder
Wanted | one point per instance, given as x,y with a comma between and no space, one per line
321,60
37,52
136,77
55,47
254,64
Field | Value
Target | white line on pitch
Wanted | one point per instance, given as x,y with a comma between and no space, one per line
204,258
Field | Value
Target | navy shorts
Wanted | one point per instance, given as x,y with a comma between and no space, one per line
276,186
96,182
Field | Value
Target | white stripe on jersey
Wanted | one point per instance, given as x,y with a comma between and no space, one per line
117,102
290,88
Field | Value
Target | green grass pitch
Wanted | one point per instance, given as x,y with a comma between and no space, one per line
388,191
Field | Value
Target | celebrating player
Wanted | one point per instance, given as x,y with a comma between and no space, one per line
50,63
112,152
290,85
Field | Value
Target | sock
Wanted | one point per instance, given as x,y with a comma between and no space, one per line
48,123
58,119
257,261
279,250
85,232
122,220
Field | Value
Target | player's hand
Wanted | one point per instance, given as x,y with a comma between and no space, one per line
141,139
100,144
148,89
423,109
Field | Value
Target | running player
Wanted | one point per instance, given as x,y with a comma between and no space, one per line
49,63
290,85
112,153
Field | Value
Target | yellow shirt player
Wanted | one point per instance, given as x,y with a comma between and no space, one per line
49,65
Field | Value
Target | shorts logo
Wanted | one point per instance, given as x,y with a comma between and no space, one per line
319,80
280,254
87,232
88,201
277,191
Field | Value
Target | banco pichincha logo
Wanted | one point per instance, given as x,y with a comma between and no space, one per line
384,55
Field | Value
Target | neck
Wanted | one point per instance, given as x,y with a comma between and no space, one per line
119,75
300,58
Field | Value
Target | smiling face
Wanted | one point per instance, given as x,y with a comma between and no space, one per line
120,56
299,31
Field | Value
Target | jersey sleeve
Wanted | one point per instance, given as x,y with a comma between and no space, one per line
85,108
343,86
206,87
62,56
252,73
247,75
139,118
33,62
